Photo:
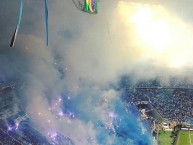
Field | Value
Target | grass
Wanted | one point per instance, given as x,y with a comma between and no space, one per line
185,138
164,138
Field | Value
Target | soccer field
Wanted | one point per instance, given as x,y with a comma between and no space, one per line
185,138
164,138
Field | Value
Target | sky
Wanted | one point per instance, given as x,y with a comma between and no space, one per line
87,53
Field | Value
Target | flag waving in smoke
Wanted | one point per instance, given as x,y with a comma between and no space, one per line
89,6
19,21
46,21
18,24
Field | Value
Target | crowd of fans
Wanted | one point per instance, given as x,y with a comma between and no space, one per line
170,104
25,134
174,105
5,139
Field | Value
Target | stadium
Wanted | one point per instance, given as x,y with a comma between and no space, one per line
95,72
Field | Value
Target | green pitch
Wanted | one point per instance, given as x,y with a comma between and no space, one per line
164,138
185,138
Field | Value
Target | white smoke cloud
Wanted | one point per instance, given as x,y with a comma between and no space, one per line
91,52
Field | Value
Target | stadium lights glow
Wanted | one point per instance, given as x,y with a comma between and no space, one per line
152,27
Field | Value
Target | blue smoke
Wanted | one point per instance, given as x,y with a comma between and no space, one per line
121,126
127,128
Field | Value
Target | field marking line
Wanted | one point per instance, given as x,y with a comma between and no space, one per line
190,138
178,138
